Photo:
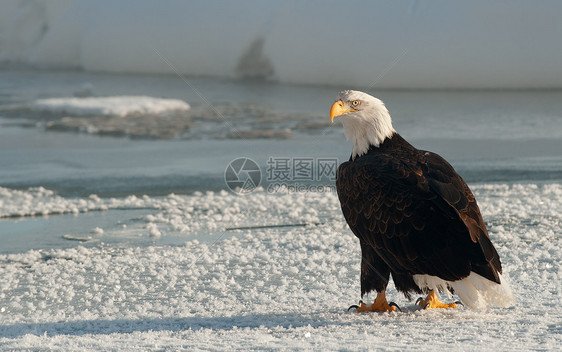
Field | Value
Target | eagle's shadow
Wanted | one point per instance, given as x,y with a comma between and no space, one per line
258,320
106,327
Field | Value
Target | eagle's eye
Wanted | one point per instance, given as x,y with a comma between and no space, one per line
355,103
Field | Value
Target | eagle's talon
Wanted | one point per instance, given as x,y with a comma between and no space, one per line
392,304
459,302
355,305
432,301
418,300
379,305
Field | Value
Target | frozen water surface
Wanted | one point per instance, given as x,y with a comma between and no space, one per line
127,243
274,288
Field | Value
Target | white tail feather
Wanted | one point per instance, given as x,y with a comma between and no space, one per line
475,291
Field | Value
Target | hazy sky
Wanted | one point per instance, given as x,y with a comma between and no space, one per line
405,44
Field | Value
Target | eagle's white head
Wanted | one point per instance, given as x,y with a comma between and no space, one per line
365,119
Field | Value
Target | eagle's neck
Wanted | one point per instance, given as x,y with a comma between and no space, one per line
366,130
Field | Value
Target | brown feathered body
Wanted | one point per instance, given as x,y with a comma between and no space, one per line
413,215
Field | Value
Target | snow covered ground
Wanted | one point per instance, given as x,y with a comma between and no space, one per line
275,288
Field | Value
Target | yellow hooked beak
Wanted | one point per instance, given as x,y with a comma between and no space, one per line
338,109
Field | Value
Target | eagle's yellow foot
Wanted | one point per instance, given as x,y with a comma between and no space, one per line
432,301
379,305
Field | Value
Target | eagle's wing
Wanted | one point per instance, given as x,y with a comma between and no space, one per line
414,216
451,188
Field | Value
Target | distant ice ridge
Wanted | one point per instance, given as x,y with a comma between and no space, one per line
403,44
133,116
160,118
109,106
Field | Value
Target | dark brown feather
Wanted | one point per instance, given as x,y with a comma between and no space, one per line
413,214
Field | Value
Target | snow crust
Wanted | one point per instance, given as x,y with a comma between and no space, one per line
274,288
41,201
414,44
119,106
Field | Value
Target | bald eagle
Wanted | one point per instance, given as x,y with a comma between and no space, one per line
415,217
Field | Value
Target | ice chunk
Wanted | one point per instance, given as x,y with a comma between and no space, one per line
109,106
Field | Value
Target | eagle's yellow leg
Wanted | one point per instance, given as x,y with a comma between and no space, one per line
379,305
432,301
